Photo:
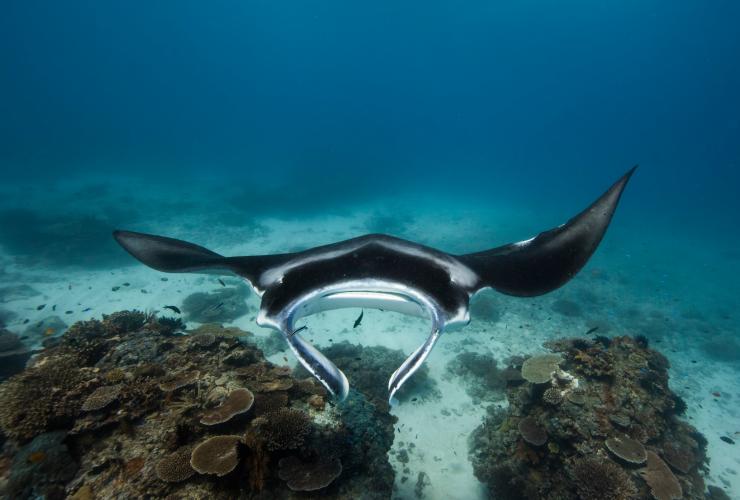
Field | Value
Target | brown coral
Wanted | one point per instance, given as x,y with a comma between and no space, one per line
601,480
216,455
285,429
532,432
552,396
178,380
627,449
102,397
539,369
663,484
175,467
40,398
308,476
238,401
269,402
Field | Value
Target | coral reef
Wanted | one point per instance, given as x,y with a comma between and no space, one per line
216,455
308,476
480,374
222,305
143,413
599,424
238,401
368,369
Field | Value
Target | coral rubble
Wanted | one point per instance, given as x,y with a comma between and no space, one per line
594,420
124,408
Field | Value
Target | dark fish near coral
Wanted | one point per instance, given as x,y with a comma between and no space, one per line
173,309
592,330
40,307
54,307
67,312
727,440
87,309
222,282
115,288
304,327
359,319
25,321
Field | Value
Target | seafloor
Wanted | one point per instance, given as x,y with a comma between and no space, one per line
99,411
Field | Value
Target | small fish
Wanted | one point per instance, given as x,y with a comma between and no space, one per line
359,319
69,287
54,307
304,327
36,457
221,281
716,394
592,330
143,291
414,399
87,309
49,331
164,279
358,359
285,358
173,308
727,440
67,312
40,307
331,340
127,284
25,321
115,288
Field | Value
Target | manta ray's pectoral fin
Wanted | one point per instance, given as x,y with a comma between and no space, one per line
550,259
412,363
170,255
318,365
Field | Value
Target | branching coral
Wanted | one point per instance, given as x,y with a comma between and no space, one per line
597,479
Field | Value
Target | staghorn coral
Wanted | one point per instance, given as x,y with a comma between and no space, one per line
238,401
309,476
217,455
269,402
597,479
285,429
102,397
175,467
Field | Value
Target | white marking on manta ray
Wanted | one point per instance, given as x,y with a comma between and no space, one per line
459,273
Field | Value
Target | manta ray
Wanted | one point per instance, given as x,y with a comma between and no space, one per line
385,272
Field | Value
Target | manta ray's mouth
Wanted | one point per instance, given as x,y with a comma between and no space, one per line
371,295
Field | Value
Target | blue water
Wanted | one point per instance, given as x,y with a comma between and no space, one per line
212,121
